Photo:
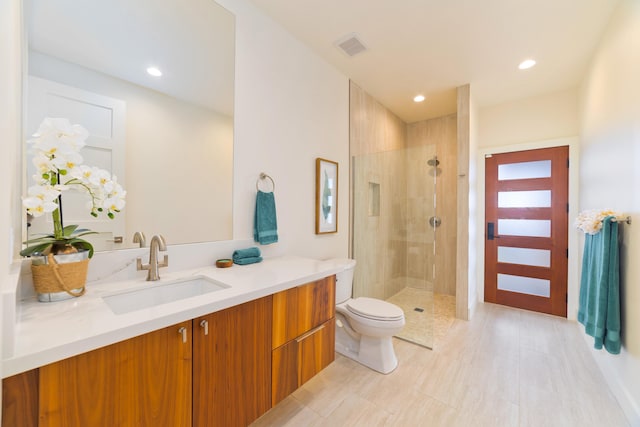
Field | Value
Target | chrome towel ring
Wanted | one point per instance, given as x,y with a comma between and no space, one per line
263,177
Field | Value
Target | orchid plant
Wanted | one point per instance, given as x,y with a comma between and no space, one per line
56,149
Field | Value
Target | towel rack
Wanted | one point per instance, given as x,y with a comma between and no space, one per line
625,220
264,176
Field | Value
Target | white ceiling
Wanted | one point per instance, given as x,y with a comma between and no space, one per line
433,46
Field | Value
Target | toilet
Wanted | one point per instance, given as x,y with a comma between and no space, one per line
365,326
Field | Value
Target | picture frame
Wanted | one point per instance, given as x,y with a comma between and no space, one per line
326,196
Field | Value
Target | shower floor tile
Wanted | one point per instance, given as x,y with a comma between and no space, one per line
428,317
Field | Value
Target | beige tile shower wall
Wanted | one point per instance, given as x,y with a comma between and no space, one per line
442,133
373,128
380,249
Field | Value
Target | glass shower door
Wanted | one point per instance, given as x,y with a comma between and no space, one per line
395,226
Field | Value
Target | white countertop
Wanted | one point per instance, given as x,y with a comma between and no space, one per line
48,332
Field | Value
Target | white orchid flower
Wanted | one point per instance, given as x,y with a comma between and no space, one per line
117,191
37,206
99,177
56,133
114,204
59,168
45,193
82,172
42,163
67,161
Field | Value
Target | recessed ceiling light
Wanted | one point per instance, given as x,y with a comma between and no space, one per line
418,98
154,71
527,63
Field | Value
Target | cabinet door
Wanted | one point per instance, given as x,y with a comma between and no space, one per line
316,350
20,400
284,371
298,310
143,381
232,365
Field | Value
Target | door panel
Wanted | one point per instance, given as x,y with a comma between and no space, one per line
526,241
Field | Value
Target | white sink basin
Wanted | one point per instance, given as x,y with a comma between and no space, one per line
154,295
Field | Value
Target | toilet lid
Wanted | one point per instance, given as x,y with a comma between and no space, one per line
375,309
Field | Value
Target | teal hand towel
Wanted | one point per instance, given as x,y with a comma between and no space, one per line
246,253
265,226
599,305
249,260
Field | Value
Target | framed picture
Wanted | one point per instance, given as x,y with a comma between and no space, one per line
326,196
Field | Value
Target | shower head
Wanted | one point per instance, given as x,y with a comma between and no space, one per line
433,162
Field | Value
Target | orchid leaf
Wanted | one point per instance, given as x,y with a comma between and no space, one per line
28,251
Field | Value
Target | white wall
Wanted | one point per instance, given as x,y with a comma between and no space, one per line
10,122
537,118
290,107
610,178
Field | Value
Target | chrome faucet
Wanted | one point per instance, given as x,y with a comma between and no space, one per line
157,244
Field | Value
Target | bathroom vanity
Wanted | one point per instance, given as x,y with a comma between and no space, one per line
221,358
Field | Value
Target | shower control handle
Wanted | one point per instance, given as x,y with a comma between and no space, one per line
435,221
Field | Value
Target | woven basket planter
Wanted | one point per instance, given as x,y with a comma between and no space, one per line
58,277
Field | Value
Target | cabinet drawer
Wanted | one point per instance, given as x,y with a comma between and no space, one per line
316,350
298,310
297,361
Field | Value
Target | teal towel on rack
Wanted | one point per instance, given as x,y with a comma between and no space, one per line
599,308
265,226
246,256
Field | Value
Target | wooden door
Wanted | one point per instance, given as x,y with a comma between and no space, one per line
232,365
143,381
526,227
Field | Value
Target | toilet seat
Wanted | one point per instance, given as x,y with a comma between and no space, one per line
374,309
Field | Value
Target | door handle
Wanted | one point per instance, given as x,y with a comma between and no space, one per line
491,231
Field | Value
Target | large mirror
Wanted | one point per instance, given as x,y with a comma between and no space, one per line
168,138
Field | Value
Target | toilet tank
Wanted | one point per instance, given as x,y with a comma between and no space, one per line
344,279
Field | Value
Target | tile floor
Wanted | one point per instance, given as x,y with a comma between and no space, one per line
505,367
428,327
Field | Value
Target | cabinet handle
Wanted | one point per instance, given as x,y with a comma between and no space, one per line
183,331
311,332
205,324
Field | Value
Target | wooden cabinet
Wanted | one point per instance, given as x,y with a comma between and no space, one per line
232,365
303,335
20,400
226,369
143,381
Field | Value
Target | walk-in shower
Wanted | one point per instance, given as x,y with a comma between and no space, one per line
395,233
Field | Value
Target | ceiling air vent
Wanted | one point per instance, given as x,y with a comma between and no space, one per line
351,45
